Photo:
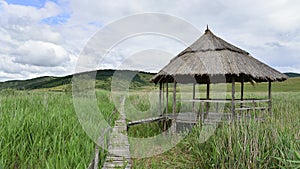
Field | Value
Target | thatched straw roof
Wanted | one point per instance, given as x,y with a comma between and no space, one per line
211,56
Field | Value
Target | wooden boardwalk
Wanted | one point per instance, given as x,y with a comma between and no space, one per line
118,148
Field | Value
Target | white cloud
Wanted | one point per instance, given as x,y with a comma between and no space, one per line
29,12
40,54
30,47
142,52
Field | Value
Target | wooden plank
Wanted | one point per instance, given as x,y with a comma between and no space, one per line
204,100
116,165
252,101
226,100
251,108
148,120
116,158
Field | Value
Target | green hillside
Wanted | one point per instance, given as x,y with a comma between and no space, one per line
103,81
140,80
290,85
290,74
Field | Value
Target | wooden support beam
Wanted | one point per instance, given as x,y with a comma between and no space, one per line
174,99
233,98
163,98
207,97
167,106
242,92
159,104
167,97
202,111
270,99
207,90
174,107
193,104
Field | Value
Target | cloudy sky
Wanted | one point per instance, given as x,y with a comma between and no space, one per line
45,37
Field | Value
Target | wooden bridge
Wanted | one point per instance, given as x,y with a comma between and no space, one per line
118,147
119,152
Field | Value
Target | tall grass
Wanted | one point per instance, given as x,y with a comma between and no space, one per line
274,143
41,130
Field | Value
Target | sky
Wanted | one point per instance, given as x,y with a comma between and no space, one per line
46,37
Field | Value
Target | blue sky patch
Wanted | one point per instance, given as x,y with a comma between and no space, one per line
34,3
56,20
98,24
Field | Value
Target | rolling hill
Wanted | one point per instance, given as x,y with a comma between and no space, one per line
104,77
291,74
103,80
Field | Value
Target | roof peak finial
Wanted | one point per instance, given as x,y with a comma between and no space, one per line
207,29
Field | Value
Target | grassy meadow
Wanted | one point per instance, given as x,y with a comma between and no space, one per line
40,129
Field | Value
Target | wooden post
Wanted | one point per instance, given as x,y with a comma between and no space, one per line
160,92
193,106
242,92
207,97
174,99
167,105
253,110
167,98
233,98
163,98
202,111
270,99
174,108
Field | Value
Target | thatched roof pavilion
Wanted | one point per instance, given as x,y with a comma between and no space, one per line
211,56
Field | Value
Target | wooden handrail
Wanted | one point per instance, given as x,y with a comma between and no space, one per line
226,100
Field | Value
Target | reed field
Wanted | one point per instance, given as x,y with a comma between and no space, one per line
40,129
273,143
